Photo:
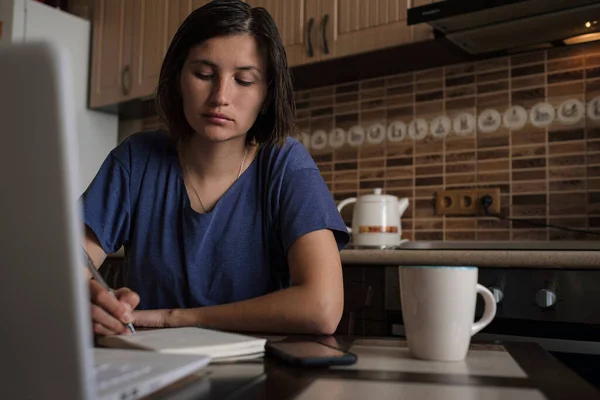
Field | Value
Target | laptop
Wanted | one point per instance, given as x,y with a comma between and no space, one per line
46,340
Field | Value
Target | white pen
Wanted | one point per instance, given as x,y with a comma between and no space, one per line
98,278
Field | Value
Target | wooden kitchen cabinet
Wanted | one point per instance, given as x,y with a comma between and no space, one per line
359,26
112,52
150,22
318,30
130,40
295,20
198,3
177,12
131,37
350,27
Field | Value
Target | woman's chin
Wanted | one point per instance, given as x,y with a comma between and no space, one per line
218,134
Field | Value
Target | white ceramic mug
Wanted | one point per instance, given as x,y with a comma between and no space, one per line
438,309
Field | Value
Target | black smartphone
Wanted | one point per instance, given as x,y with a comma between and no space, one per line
309,354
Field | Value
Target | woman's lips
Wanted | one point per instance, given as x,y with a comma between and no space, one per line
217,119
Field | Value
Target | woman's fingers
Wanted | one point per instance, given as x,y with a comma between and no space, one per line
109,303
129,297
102,330
111,313
104,323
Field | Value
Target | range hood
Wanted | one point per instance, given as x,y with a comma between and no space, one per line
491,26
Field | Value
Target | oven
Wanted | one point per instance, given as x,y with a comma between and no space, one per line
559,309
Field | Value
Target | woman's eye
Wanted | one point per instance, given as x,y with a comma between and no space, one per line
203,75
243,82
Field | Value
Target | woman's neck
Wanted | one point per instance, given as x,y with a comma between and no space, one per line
210,161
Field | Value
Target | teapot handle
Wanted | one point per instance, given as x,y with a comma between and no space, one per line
343,204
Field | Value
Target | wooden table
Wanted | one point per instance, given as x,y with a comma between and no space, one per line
385,370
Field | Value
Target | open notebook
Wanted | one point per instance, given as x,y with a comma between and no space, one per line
220,346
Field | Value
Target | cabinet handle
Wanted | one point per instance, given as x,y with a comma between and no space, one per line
324,26
125,77
309,45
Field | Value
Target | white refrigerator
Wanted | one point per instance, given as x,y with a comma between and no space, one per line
29,20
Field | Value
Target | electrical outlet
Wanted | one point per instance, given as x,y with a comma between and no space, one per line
466,201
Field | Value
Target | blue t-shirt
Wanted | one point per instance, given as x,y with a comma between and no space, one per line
178,258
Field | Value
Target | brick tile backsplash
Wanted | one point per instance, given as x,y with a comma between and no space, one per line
548,173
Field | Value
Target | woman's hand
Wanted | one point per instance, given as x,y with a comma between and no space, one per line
110,314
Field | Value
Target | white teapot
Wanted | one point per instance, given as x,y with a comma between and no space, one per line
376,219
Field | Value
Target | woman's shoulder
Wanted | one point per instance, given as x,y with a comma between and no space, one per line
147,140
142,145
290,157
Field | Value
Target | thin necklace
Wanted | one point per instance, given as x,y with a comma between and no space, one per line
187,167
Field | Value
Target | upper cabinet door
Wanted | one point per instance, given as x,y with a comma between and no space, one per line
198,3
111,75
357,26
150,23
297,23
177,12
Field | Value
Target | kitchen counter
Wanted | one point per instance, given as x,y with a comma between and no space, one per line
580,254
564,254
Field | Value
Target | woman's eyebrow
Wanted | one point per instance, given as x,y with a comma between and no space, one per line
249,68
205,62
214,65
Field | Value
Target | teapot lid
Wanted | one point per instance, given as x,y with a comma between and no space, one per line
378,196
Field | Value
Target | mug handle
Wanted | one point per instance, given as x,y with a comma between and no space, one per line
345,203
489,311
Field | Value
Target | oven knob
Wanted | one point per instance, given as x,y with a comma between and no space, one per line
497,293
545,298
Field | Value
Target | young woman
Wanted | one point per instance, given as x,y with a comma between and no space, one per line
225,220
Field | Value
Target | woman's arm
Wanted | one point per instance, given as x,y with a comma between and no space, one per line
312,305
93,248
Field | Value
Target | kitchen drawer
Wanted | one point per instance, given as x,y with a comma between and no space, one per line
375,278
353,274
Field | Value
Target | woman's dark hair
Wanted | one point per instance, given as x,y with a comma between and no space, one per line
222,18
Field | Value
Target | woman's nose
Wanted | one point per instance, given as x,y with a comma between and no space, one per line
220,92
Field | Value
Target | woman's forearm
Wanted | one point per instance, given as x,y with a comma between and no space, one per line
312,305
293,310
298,309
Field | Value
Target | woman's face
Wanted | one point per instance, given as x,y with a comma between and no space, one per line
223,85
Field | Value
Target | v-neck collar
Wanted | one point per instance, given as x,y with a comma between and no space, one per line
186,197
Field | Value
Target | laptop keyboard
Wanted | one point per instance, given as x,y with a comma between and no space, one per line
109,375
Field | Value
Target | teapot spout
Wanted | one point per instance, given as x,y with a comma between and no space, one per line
402,205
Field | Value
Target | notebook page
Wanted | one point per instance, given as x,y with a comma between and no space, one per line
189,340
